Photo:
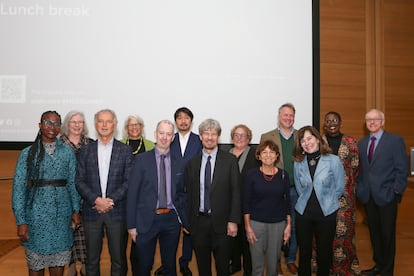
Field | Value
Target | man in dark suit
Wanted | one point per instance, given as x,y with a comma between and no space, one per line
381,183
157,203
186,145
101,180
212,183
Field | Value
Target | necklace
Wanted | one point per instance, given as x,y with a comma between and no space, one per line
268,177
138,148
49,147
312,162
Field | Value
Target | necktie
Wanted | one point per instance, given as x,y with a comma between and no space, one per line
162,197
371,149
207,185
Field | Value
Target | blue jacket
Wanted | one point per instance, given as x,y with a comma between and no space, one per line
386,175
328,181
143,191
193,147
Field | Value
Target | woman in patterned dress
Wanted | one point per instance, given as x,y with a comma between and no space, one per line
74,133
44,199
345,260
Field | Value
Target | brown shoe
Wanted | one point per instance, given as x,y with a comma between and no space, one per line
292,268
279,269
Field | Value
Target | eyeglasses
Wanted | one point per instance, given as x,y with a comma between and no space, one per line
333,121
76,122
133,125
48,123
240,135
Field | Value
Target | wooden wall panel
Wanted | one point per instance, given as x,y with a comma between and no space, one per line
343,81
398,67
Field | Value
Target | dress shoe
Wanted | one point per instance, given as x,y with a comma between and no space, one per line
158,272
233,269
279,270
185,271
292,268
371,272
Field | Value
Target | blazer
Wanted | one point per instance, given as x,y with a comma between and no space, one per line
88,183
143,191
274,136
193,147
387,173
225,191
328,182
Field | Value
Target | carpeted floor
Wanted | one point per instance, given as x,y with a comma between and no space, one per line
7,246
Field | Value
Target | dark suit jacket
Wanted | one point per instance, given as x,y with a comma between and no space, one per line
143,191
387,172
88,183
193,147
225,191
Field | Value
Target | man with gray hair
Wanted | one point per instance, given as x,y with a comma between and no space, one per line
212,183
101,180
380,186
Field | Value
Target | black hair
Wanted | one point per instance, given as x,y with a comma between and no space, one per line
37,152
184,110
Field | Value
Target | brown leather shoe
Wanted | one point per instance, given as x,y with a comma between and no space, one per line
292,268
279,269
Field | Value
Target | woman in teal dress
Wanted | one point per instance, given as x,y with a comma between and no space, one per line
44,199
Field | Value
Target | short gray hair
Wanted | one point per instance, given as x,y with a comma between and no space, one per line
209,124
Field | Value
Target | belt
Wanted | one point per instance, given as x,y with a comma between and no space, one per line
47,182
204,214
161,211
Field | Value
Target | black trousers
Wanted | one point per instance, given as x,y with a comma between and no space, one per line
207,241
382,227
323,229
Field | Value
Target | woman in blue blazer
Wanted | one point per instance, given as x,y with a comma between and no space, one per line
319,180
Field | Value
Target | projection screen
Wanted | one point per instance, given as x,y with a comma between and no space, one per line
235,61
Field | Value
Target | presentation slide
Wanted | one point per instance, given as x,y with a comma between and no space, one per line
235,61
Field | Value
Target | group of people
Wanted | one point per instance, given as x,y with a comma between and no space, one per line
294,192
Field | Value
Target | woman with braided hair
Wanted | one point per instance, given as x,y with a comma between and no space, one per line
44,199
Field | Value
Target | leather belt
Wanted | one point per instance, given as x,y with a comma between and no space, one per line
47,182
161,211
204,214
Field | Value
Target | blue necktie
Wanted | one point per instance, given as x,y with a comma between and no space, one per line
162,197
371,149
207,185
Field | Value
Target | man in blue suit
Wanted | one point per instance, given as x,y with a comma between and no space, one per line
380,186
186,145
101,180
156,205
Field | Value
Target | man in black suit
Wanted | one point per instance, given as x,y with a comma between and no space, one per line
101,180
212,182
381,183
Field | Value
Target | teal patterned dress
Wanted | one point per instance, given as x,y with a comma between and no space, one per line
47,210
